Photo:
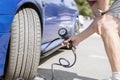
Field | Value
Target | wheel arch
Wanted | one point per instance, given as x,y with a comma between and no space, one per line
37,9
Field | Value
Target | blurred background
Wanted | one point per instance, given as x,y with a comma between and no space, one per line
84,8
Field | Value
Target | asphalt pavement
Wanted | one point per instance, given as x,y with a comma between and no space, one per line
92,62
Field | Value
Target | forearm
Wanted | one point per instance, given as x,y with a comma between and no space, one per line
88,32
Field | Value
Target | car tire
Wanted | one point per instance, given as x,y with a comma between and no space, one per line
24,47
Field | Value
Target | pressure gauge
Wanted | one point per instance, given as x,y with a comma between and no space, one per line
62,32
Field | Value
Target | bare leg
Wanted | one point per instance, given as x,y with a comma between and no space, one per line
110,35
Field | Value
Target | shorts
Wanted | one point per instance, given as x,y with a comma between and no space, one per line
114,10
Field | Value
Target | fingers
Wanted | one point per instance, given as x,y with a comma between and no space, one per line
66,43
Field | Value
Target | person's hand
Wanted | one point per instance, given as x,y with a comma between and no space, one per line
74,39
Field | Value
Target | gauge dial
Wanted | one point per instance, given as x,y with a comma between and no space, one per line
62,32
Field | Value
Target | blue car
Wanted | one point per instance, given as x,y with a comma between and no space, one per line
29,32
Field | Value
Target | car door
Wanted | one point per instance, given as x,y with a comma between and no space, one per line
51,23
58,14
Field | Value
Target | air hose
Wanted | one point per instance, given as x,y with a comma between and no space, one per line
61,60
62,32
68,65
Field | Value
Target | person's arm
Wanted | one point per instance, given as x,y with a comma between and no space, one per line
93,27
76,39
95,5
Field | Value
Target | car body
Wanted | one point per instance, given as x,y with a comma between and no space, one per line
53,15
